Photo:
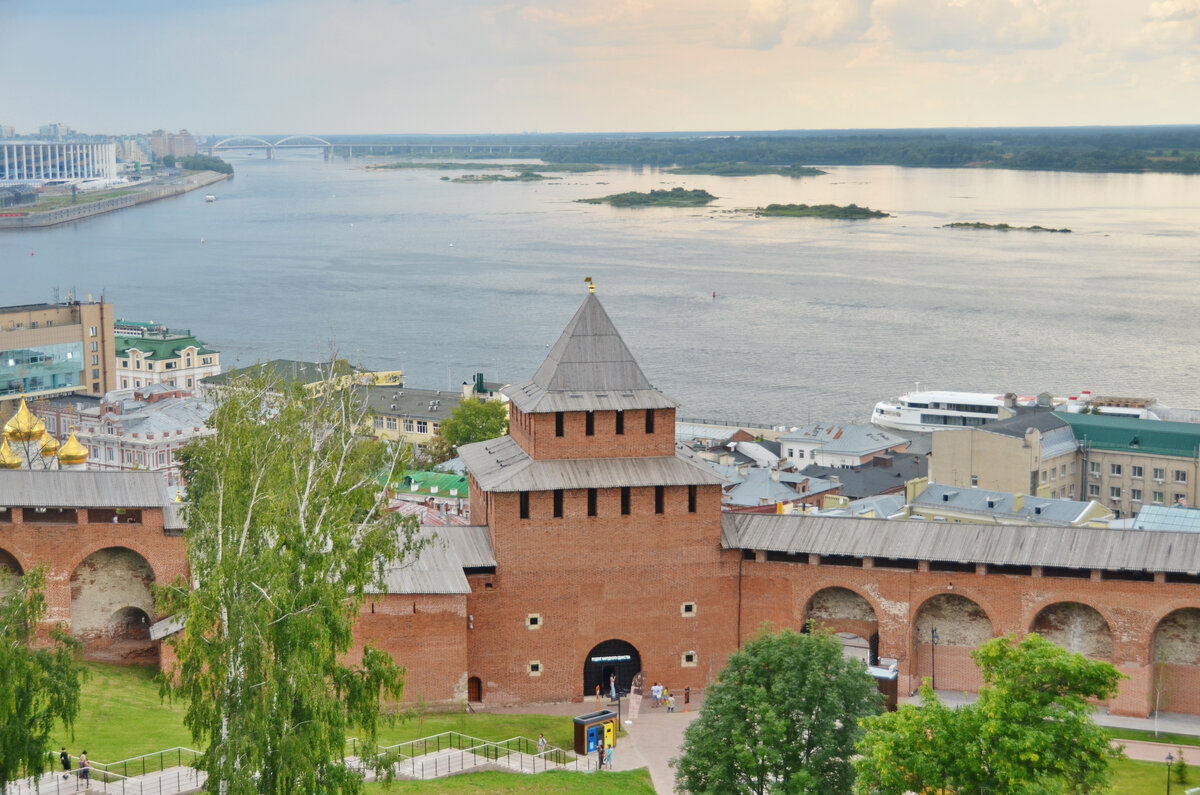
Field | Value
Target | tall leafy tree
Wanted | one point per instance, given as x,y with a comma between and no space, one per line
39,682
1030,731
783,716
287,530
470,421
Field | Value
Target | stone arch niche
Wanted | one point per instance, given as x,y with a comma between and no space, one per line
10,570
962,626
1175,662
112,607
1077,627
850,617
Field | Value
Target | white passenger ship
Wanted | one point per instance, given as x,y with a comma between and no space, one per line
923,412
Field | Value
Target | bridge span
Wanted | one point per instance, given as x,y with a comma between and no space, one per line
347,149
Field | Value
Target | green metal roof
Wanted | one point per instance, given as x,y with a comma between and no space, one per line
156,348
1127,434
425,481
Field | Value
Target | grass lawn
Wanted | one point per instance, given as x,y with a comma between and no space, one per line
1147,778
1150,737
634,782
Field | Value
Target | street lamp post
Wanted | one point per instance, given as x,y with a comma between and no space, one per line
933,634
1170,761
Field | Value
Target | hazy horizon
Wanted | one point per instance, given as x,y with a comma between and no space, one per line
475,67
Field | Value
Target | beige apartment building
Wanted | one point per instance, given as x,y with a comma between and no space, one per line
1121,462
48,350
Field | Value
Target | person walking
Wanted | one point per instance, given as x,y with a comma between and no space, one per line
541,743
85,770
65,758
608,758
671,702
612,686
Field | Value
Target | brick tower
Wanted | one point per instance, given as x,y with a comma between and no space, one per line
607,535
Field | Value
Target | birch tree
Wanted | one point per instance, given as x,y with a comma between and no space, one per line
39,682
288,528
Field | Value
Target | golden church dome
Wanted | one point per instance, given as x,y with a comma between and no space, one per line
72,452
8,459
50,446
24,427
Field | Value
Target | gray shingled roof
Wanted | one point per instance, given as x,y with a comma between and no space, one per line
588,369
65,489
438,567
501,465
1067,547
1039,510
1043,421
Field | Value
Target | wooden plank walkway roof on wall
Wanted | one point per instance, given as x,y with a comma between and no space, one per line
66,489
1001,545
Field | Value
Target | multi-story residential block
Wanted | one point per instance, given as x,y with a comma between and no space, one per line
1127,463
1031,453
56,349
941,503
150,353
412,416
180,144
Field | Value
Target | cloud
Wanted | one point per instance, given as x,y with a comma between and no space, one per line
1171,26
972,25
830,21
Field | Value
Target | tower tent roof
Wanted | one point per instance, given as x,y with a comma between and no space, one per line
590,368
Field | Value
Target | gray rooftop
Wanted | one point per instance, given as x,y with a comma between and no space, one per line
1016,545
874,478
501,465
65,489
398,401
1039,510
1168,517
438,567
588,369
860,439
1044,421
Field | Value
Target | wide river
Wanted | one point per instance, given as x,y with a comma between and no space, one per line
813,319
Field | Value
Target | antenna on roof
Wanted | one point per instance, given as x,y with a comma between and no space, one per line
591,285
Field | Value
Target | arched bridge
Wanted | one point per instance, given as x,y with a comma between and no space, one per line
287,142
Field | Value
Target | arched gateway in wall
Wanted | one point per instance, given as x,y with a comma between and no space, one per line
112,606
959,626
10,569
1175,656
850,617
610,657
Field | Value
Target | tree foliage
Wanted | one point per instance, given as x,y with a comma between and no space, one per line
1030,731
469,421
39,683
782,717
287,530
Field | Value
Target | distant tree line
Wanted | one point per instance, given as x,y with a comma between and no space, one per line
198,163
1166,149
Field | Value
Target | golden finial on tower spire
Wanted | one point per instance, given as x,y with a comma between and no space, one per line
591,284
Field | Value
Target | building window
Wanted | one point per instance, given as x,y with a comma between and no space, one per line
1072,467
1114,470
535,668
524,505
95,359
1093,467
1114,492
649,420
1043,476
799,454
589,423
189,382
689,659
1093,489
1181,476
558,423
533,621
974,481
688,609
137,382
691,499
390,422
1135,495
124,383
149,365
162,458
558,503
625,500
1160,475
96,373
378,423
108,454
1063,471
1053,474
659,495
91,331
1135,472
1180,499
95,347
422,426
620,423
592,497
1158,497
408,426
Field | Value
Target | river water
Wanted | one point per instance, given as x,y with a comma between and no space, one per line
813,319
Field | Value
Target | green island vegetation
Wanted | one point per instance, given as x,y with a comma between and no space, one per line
675,197
1172,149
199,163
850,212
524,176
541,168
746,170
1000,227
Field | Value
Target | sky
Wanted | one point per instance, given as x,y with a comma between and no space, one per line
471,66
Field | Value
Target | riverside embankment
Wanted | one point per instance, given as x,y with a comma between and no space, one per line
19,219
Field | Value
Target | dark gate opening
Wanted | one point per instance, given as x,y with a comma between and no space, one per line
474,689
608,658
